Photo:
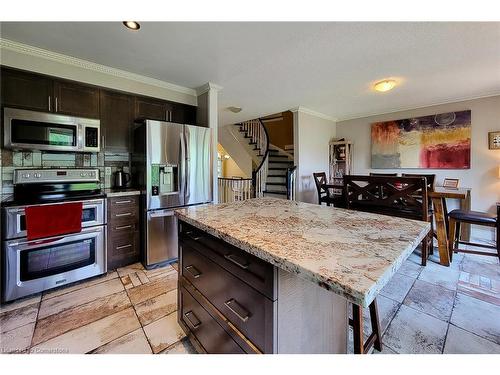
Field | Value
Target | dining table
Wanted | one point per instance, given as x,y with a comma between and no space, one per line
438,197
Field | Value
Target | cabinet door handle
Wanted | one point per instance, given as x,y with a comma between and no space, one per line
50,109
123,247
191,314
123,227
237,310
193,271
123,202
234,259
124,214
56,105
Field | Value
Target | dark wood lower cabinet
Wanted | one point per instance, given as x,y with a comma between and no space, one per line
228,303
123,240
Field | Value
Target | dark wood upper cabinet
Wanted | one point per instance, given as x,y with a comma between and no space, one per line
76,99
162,110
152,109
26,90
117,117
183,114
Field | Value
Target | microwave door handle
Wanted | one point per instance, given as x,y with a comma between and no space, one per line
79,133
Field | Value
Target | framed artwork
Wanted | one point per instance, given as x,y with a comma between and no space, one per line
494,140
441,141
451,183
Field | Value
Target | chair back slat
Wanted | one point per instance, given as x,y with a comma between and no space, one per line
395,196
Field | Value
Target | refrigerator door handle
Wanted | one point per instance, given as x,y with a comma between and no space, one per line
161,213
182,167
187,176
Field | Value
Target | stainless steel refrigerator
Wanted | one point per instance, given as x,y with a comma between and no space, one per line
173,164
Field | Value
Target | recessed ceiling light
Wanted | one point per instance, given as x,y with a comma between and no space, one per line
235,109
132,25
385,85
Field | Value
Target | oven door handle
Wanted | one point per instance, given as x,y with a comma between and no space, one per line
33,244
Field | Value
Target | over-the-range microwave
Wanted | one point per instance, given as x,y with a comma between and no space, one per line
30,130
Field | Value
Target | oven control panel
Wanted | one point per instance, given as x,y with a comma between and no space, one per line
37,176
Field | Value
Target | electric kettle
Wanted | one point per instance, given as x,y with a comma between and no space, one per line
121,179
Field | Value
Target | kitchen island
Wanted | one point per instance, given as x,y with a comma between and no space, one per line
277,276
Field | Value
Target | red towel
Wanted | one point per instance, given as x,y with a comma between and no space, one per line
53,220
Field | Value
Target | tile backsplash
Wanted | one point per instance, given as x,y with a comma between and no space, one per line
12,160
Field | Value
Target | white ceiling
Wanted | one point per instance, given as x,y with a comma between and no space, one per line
271,67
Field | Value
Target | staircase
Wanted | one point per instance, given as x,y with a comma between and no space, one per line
270,163
278,164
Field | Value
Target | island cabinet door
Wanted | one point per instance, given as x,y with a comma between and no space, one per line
207,331
247,309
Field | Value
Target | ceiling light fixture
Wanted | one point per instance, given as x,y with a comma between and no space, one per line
385,85
132,25
235,109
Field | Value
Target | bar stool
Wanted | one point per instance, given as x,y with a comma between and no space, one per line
375,339
456,217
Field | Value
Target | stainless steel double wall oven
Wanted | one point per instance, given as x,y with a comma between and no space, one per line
33,266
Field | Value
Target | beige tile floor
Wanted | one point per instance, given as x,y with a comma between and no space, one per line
132,310
436,309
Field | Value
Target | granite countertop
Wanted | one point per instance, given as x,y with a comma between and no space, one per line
122,192
351,253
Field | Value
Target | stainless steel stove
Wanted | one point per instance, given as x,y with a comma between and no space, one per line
33,266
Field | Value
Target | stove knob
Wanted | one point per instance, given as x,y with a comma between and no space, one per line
38,175
26,175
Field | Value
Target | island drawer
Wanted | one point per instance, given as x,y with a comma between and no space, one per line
247,267
247,309
213,338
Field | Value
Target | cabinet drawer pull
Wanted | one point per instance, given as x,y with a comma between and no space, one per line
123,247
237,310
50,105
124,214
197,321
123,227
193,271
193,237
123,202
56,105
234,259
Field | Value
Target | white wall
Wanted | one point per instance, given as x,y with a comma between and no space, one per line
241,154
311,137
482,177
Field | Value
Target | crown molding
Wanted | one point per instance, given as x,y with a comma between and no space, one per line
89,65
404,109
313,113
208,87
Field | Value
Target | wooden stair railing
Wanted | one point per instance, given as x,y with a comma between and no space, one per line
256,133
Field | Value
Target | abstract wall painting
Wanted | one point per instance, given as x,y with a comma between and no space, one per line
441,141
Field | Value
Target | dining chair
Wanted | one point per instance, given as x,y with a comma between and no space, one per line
324,194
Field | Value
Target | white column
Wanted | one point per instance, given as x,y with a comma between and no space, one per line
207,115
